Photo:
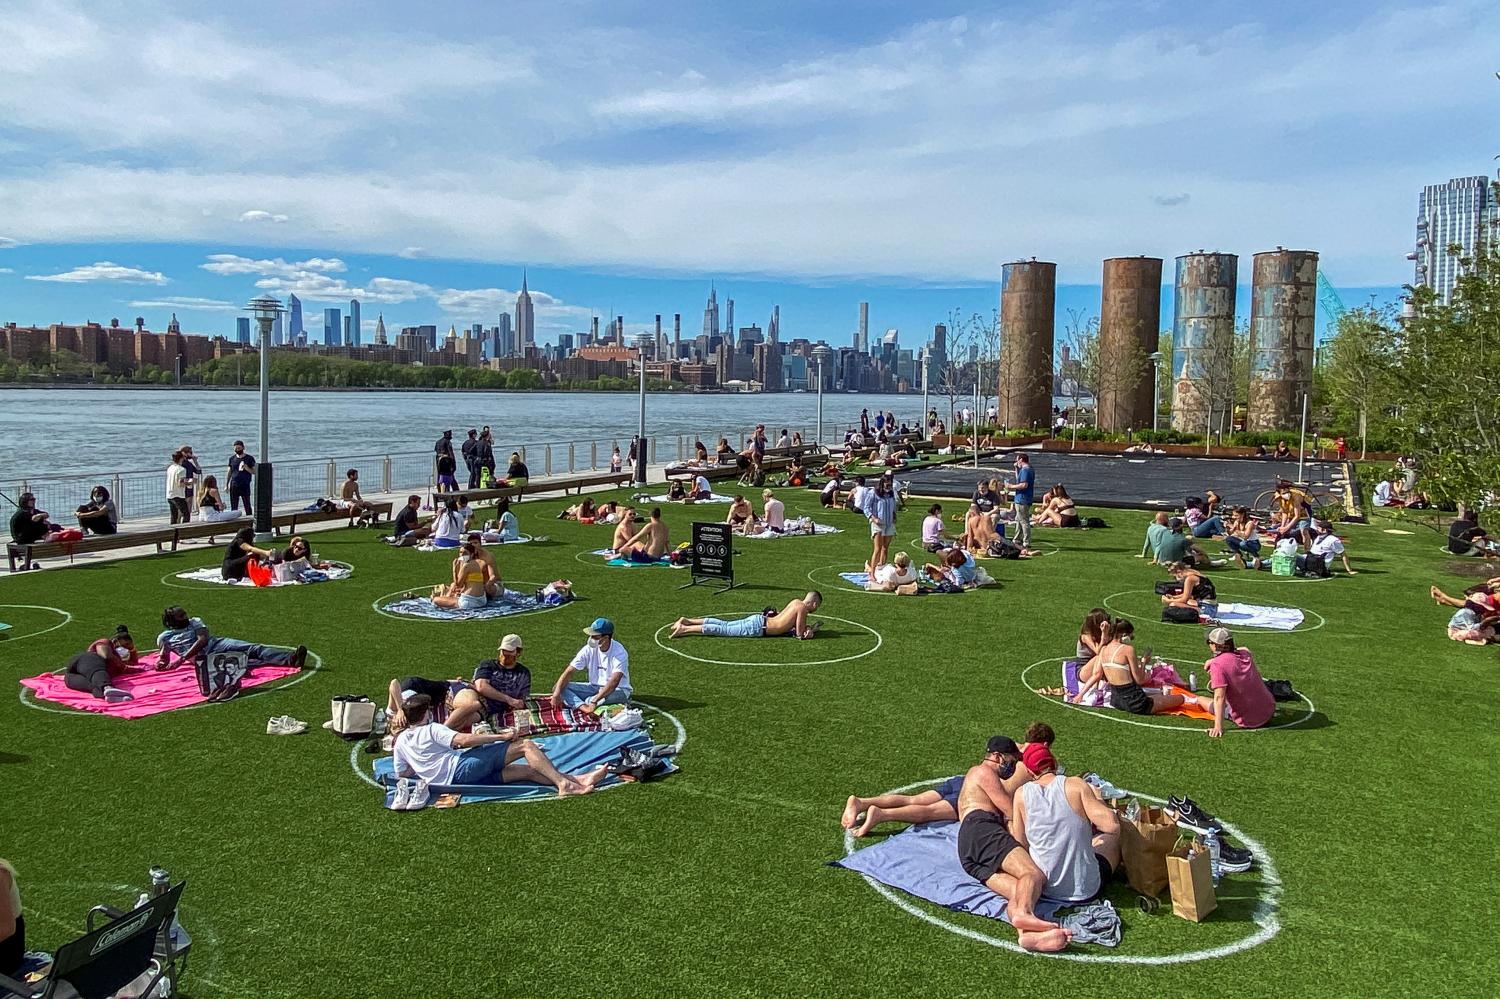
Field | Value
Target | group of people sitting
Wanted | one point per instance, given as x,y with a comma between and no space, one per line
1398,488
1291,528
243,560
452,525
1476,618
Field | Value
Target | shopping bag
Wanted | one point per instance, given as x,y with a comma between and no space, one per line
1190,876
1145,842
217,670
258,573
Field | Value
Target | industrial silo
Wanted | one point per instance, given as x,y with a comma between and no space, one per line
1283,314
1028,290
1203,341
1129,317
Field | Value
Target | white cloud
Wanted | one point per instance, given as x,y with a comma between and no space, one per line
6,243
413,253
188,304
258,215
103,271
232,263
6,270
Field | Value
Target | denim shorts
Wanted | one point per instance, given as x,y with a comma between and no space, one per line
753,626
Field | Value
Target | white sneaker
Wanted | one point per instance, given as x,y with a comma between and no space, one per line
420,793
285,725
115,695
483,728
328,724
623,720
403,795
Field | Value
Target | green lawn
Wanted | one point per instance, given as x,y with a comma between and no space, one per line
1377,809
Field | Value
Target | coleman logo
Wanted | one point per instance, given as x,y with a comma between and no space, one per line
121,932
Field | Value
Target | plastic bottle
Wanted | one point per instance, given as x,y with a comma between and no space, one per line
1132,810
1193,682
1212,839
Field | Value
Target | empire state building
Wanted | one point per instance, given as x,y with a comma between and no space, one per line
525,317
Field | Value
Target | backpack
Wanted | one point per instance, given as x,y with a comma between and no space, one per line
1094,522
1000,548
1179,615
1312,565
1282,690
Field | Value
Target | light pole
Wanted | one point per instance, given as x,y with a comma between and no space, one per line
820,353
264,310
926,375
1156,359
640,437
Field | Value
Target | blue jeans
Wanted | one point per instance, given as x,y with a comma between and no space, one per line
575,694
1242,546
1208,528
481,765
255,653
753,626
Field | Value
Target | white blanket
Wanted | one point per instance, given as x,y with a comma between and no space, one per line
1256,616
712,498
213,574
793,531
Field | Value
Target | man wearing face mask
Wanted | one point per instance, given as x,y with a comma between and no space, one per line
607,666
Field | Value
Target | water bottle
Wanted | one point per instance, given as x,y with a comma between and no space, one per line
1212,838
1193,682
160,881
1132,810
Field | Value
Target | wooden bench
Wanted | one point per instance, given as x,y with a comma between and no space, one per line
593,480
291,520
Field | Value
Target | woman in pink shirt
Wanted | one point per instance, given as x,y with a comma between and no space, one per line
1237,686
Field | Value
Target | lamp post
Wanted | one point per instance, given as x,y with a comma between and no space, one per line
926,376
264,310
820,354
1156,359
640,437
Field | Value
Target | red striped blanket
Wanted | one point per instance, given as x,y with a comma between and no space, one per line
540,718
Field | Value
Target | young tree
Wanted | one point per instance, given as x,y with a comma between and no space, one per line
1081,334
1357,366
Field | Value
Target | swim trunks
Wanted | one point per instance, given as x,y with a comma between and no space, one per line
983,844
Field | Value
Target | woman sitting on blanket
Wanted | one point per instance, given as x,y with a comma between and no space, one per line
935,537
979,531
608,512
240,553
893,575
507,527
448,529
1090,641
494,586
1123,672
796,476
958,569
1059,510
1194,591
297,556
676,491
1474,623
94,670
211,504
741,515
471,581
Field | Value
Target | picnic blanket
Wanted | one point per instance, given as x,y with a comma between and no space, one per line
923,861
508,603
154,692
572,753
613,558
1257,616
540,718
712,498
793,531
213,574
485,540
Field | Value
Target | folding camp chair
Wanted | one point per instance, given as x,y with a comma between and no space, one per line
108,957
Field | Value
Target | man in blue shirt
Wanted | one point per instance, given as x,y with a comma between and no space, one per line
1022,493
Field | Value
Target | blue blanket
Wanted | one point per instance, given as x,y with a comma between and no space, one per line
508,603
572,753
923,861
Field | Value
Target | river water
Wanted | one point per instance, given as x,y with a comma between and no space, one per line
45,432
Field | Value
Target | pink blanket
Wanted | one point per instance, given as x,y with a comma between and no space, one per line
154,692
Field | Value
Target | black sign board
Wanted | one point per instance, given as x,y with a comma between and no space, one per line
713,554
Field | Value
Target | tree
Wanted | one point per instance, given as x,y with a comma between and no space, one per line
954,378
1076,378
1357,366
1164,369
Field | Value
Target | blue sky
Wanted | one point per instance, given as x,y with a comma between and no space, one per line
178,157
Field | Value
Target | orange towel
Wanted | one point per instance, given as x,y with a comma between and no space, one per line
1188,710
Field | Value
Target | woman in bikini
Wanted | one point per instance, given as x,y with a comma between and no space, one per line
1059,509
583,512
471,579
741,515
1122,671
1090,641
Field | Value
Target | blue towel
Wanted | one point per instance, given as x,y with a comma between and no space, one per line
923,861
572,753
508,603
857,578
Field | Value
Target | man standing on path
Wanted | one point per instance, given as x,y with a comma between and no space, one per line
1022,493
607,666
241,475
484,456
443,449
471,459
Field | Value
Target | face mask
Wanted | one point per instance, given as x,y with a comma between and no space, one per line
1007,769
122,652
593,643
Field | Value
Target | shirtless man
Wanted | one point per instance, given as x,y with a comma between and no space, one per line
790,620
624,531
493,587
991,855
649,543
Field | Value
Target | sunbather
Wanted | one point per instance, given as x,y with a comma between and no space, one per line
992,856
740,516
1120,668
439,755
650,543
1478,614
583,512
506,525
493,585
624,531
472,579
94,670
790,620
979,530
1066,829
1058,509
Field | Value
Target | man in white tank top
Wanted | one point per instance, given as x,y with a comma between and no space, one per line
1071,834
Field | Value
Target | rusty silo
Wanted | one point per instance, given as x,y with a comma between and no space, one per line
1129,321
1028,290
1203,340
1283,313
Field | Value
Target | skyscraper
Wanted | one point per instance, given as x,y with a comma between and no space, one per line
354,327
1462,212
505,342
276,334
711,314
676,335
242,329
294,325
333,327
347,335
380,329
773,332
729,317
525,318
862,336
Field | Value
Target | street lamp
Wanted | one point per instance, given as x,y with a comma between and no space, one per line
264,310
640,437
926,376
1156,359
820,354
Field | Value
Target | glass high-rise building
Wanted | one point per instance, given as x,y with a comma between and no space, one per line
354,331
294,326
242,329
1461,213
333,328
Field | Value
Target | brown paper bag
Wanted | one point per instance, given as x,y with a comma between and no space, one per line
1144,845
1192,883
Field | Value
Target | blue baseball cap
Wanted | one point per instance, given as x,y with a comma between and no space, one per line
601,626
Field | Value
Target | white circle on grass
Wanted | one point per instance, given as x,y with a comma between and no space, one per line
375,605
66,618
1222,600
291,681
879,641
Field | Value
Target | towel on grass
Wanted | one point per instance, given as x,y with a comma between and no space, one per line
923,861
154,692
488,540
793,531
1257,616
540,718
508,603
573,753
213,574
613,558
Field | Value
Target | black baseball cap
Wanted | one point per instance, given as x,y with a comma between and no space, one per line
1002,744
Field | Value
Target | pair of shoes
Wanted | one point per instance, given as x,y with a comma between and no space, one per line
1188,812
1105,788
412,795
624,720
285,725
115,695
299,657
1234,859
483,728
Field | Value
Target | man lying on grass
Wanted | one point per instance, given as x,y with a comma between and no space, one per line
770,623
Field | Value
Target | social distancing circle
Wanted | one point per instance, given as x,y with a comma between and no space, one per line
1298,715
315,663
677,646
179,581
39,619
1139,600
423,591
1265,917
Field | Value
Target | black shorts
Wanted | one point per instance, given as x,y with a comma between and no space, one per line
1130,697
983,844
435,689
1106,875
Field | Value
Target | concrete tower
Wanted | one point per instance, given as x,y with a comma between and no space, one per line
1028,290
1283,313
1203,340
1129,315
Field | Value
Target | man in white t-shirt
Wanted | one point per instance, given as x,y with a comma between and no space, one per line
433,752
1326,546
859,495
775,513
607,665
702,489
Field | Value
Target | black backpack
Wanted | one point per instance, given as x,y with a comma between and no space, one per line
1094,522
1001,548
1282,690
1174,614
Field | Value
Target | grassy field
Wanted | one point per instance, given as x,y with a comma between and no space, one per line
1376,807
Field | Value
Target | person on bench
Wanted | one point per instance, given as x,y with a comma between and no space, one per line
351,500
188,639
28,525
1117,665
240,553
406,531
992,856
93,671
500,684
606,664
516,473
433,752
650,543
790,620
98,515
1070,833
472,579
